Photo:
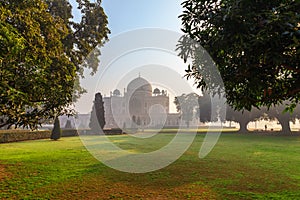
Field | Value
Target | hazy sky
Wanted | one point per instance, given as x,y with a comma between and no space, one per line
128,15
124,15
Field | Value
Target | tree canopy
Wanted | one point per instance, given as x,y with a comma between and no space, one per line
255,45
43,51
187,105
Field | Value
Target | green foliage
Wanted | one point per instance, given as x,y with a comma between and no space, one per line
97,120
188,106
42,54
255,45
56,131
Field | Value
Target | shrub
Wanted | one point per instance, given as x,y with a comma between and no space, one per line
56,131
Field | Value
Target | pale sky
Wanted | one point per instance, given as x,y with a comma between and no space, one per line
124,15
156,66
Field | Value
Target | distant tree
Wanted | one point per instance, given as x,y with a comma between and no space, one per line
56,131
283,117
187,104
43,52
68,124
241,117
244,117
255,45
205,110
97,120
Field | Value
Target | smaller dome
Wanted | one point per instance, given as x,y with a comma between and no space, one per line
156,91
164,92
117,92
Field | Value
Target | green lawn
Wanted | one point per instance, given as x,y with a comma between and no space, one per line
239,167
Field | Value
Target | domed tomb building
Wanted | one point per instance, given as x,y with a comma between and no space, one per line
140,104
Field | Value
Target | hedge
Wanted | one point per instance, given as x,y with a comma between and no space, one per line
69,132
7,136
22,135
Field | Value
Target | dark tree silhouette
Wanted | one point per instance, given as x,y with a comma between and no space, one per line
244,117
97,120
241,117
56,131
186,104
205,112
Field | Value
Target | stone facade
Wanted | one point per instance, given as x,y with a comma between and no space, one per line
139,106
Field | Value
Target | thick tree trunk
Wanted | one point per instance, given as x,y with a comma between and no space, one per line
285,124
243,127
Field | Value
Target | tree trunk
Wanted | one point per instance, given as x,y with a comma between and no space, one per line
285,124
243,127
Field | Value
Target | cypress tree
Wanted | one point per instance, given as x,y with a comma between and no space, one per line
68,124
56,131
97,120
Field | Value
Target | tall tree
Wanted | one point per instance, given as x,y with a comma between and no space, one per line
243,118
56,131
205,111
255,44
187,105
42,55
97,120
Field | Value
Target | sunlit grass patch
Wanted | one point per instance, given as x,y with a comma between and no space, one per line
239,167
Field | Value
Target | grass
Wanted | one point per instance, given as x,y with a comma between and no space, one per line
192,130
239,167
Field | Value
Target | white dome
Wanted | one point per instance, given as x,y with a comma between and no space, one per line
139,84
